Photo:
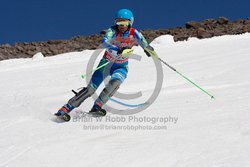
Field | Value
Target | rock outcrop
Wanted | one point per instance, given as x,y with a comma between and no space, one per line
205,29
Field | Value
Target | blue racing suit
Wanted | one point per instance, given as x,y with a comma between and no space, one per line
112,41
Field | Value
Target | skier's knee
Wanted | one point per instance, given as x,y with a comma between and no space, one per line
119,74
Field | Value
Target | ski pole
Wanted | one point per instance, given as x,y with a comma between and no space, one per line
124,53
211,96
154,55
84,75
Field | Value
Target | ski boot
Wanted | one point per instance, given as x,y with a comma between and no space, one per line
63,112
97,111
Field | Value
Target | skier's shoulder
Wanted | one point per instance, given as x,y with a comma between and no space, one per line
110,31
113,29
136,32
134,29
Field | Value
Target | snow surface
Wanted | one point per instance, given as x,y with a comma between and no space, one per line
198,131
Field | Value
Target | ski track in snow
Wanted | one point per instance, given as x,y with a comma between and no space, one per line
208,133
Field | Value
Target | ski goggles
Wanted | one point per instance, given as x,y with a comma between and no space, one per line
122,22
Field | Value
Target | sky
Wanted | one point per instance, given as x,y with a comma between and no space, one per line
42,20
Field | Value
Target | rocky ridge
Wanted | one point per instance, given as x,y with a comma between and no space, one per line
205,29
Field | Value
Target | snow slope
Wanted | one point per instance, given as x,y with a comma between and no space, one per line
197,131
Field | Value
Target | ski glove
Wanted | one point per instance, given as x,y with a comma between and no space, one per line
120,50
150,48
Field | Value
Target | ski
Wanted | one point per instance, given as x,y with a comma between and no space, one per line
81,114
65,117
100,113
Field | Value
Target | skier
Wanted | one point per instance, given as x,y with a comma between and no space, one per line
119,37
